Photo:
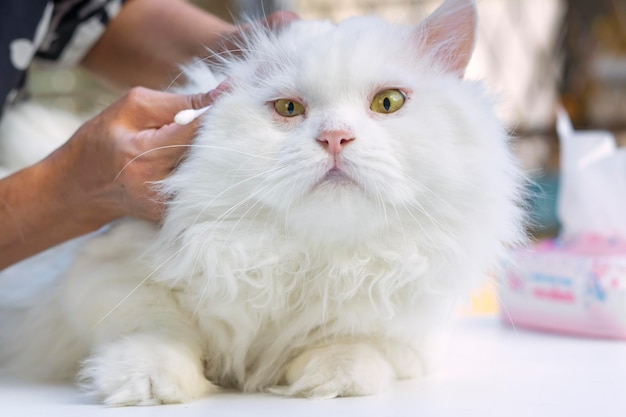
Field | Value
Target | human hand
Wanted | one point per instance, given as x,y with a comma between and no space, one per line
112,161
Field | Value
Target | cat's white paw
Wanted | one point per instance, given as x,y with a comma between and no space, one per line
342,370
407,361
145,370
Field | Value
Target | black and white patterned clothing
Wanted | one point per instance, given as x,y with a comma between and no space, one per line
58,31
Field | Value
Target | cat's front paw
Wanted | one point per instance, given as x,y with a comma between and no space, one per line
341,370
144,370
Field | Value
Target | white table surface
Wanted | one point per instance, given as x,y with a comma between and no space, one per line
490,370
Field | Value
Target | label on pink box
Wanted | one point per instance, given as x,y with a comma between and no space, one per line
578,287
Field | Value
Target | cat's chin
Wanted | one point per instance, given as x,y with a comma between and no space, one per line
336,211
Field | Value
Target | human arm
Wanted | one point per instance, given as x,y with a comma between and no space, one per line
89,181
148,40
77,188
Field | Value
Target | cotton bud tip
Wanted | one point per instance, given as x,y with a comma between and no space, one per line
184,117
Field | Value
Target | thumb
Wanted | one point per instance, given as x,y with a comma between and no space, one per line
198,101
180,133
280,18
153,109
198,104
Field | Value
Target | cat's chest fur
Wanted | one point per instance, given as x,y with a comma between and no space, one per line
266,296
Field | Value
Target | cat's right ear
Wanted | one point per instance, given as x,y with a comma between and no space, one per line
448,35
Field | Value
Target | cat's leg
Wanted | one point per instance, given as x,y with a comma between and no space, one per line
339,370
145,352
144,349
146,367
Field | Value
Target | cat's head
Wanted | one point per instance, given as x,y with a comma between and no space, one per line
338,131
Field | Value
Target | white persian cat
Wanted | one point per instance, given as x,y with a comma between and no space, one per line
334,204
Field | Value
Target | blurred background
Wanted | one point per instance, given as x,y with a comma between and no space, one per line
534,55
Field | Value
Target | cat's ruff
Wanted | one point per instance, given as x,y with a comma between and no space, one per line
271,271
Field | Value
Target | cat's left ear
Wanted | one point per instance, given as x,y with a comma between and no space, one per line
448,34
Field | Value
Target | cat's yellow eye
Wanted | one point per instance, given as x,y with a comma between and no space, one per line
288,108
388,101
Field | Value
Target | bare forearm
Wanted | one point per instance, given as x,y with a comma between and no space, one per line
149,39
39,209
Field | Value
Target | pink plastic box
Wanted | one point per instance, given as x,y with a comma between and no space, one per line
576,287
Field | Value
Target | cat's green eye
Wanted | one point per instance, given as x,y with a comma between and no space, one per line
288,108
388,101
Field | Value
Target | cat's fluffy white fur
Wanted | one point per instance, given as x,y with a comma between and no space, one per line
267,274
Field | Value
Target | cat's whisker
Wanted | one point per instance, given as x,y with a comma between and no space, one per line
191,145
226,240
154,271
127,296
216,222
421,226
255,193
141,283
412,199
436,223
223,148
503,306
420,186
402,230
378,199
233,53
228,189
215,225
445,232
414,203
212,55
295,187
380,202
241,49
183,71
267,218
232,186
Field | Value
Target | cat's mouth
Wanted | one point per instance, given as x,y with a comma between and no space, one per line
336,176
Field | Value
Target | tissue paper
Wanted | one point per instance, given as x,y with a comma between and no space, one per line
576,283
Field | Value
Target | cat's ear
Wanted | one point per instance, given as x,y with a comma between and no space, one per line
448,34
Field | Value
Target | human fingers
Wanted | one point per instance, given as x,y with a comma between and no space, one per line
280,18
177,134
143,108
200,104
197,101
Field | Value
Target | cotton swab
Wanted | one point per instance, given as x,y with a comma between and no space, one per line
184,117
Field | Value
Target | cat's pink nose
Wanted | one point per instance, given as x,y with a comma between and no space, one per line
335,140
